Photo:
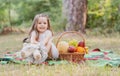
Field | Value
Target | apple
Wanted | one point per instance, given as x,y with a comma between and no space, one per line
71,49
81,44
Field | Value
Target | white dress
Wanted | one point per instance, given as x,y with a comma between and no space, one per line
42,49
54,51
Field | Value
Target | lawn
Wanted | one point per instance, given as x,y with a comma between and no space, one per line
13,42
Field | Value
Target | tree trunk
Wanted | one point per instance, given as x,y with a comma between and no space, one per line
75,12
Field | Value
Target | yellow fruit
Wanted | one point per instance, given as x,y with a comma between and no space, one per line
63,47
81,50
73,42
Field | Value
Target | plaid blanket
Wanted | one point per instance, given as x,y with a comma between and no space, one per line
100,57
11,57
96,57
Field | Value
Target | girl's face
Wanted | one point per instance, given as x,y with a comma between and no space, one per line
42,24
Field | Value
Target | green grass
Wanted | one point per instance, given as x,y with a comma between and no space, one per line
13,42
57,70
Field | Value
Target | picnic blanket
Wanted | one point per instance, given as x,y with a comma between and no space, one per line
11,57
99,57
96,57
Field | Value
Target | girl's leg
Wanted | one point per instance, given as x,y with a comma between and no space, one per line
48,46
53,52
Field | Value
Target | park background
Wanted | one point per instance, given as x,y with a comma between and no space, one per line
100,27
102,15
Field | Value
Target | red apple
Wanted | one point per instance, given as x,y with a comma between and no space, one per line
81,44
71,49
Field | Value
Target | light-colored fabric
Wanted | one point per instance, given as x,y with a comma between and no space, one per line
37,53
32,50
43,35
29,48
54,51
41,48
44,55
30,59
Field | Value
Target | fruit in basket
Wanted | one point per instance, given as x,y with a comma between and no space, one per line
73,42
63,46
72,49
81,44
81,50
86,50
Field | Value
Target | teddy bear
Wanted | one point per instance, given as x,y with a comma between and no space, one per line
35,53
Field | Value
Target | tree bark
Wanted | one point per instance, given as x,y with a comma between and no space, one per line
75,12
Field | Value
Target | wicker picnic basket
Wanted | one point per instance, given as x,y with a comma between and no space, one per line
76,56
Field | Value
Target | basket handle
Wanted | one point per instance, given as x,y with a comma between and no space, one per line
69,32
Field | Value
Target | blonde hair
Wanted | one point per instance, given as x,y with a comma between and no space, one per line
35,22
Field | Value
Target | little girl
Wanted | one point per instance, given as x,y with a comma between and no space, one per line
40,41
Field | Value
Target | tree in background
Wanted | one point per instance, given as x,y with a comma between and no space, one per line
101,14
19,13
104,14
75,12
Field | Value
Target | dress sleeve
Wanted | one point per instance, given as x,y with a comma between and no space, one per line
33,37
